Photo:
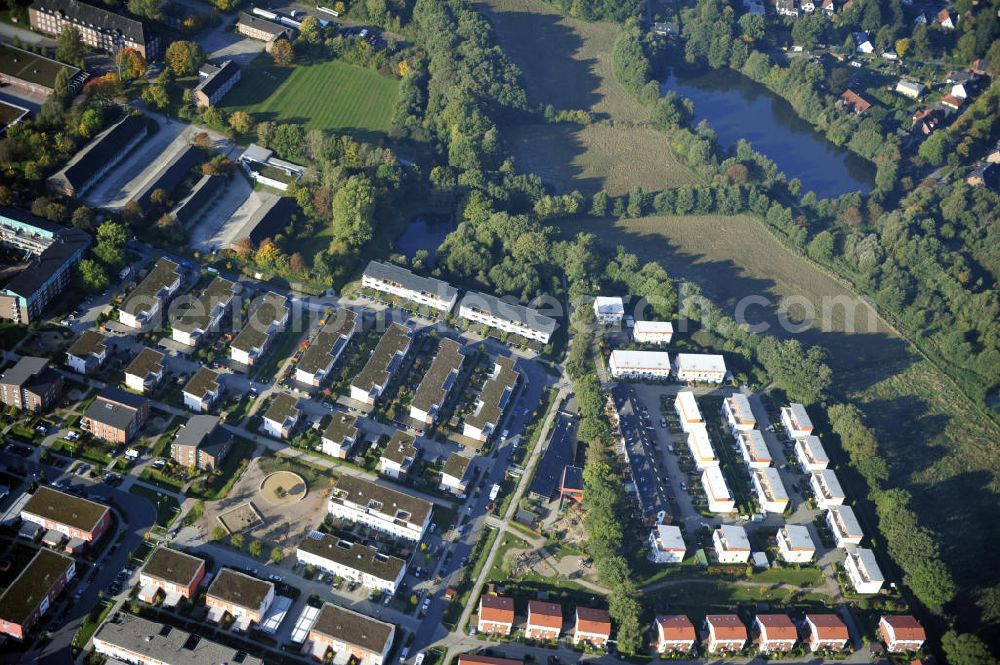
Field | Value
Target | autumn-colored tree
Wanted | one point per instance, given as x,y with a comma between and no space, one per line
404,68
297,264
283,53
131,65
156,96
241,122
105,90
244,248
184,57
202,140
132,213
267,254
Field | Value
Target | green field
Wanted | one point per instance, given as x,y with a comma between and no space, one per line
322,95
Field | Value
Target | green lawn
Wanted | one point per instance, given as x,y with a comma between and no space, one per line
322,95
166,505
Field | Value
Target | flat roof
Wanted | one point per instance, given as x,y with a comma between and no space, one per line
609,305
440,376
701,362
400,447
320,352
798,537
357,556
89,342
283,407
644,360
701,444
734,537
395,342
203,381
32,585
739,405
403,278
64,508
670,537
770,481
814,449
234,587
341,426
689,406
387,502
828,479
800,418
715,483
172,565
509,311
67,246
147,362
353,628
456,466
654,327
753,441
31,67
495,394
166,644
269,309
845,515
558,454
163,274
867,559
198,316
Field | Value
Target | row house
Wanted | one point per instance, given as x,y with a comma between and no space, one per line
496,615
688,412
145,371
639,364
127,638
811,455
726,632
901,633
493,400
545,621
33,592
675,634
326,348
717,491
204,314
246,599
351,636
73,516
775,633
844,525
506,316
398,281
425,407
653,332
380,508
173,573
353,561
827,632
141,310
383,364
266,320
738,414
592,626
795,545
770,491
87,354
700,367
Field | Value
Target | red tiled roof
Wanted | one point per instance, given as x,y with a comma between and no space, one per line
952,100
474,659
545,615
499,609
591,620
727,626
858,103
828,626
676,627
943,15
778,626
905,627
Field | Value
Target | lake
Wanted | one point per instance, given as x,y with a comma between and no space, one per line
424,233
738,108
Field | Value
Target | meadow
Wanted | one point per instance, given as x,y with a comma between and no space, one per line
322,95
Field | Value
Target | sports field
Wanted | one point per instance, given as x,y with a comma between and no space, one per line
322,95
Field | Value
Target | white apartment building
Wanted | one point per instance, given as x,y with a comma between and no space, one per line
281,416
653,332
716,491
826,489
753,450
204,314
145,371
340,435
608,310
398,281
863,571
455,473
688,412
381,508
700,367
493,400
266,319
398,456
202,390
796,421
811,455
639,364
324,350
739,415
795,545
844,525
383,364
666,544
87,353
731,544
506,316
425,407
701,449
148,298
770,491
352,561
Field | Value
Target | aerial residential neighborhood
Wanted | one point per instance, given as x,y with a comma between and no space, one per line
499,332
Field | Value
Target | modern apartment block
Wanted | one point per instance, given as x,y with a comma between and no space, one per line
88,352
796,421
769,490
653,332
325,349
688,412
700,367
739,415
795,545
493,400
810,454
717,491
352,561
383,364
863,571
126,638
281,416
398,281
731,544
116,416
201,444
205,313
142,308
381,508
399,454
639,364
425,407
507,317
700,445
844,525
455,474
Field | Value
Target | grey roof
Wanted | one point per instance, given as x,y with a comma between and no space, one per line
90,342
103,150
163,274
115,407
203,381
341,426
509,311
798,537
283,407
218,78
495,395
439,378
255,333
401,277
400,447
734,537
65,508
870,565
263,25
354,555
845,515
456,466
558,454
67,247
147,362
332,336
254,152
172,566
828,478
239,589
394,343
20,600
800,416
198,316
353,628
101,19
24,370
383,500
196,430
167,644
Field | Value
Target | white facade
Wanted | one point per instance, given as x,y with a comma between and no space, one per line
770,491
639,364
653,332
796,421
716,491
377,514
398,281
700,367
739,415
731,544
863,571
844,525
753,449
826,489
701,449
508,317
143,384
666,544
811,455
688,412
795,545
609,311
355,573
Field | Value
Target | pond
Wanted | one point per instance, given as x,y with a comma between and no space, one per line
425,233
738,108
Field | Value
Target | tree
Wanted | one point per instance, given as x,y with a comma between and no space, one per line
184,57
310,30
105,90
244,248
83,218
752,26
353,206
936,147
902,47
237,540
283,53
966,649
93,276
111,240
297,264
256,548
156,96
277,555
151,9
69,46
241,122
130,63
218,533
